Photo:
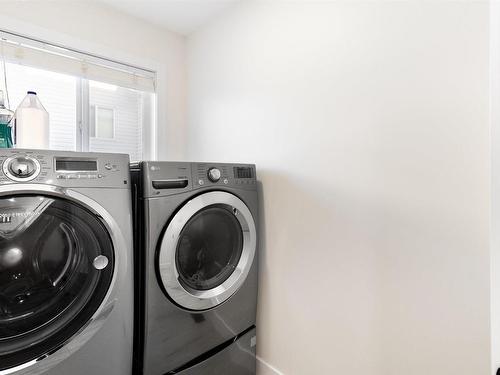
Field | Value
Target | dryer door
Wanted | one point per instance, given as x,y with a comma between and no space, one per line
207,250
56,266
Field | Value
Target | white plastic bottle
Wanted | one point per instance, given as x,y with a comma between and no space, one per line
32,123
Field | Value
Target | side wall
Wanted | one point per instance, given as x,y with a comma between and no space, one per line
495,182
369,124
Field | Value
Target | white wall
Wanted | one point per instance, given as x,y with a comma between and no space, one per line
495,181
369,126
95,28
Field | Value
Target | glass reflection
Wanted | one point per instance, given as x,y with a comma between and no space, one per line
209,248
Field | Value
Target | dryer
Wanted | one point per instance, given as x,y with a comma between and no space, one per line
66,302
196,262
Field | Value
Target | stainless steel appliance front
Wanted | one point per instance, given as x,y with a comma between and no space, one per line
196,267
64,259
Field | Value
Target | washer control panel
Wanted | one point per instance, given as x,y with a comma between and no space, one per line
63,168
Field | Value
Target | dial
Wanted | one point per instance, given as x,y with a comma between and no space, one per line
214,174
21,168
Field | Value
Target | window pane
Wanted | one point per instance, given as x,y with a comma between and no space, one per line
104,122
117,114
57,92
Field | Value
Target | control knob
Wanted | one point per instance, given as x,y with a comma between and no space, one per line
214,174
22,167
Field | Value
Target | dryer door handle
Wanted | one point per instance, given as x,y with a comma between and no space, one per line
177,183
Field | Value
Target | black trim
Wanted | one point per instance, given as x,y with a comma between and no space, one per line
210,353
139,271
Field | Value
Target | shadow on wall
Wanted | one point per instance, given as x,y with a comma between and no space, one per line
263,367
293,222
362,266
318,276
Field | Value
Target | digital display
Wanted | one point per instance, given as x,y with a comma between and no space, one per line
76,165
243,172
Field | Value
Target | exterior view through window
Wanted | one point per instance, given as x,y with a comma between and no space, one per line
86,115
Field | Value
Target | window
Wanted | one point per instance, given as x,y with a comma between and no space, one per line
93,104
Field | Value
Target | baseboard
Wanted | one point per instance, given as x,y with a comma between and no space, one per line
264,368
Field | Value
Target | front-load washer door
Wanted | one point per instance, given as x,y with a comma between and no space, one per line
207,250
56,265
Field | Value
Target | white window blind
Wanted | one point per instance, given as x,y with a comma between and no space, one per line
39,54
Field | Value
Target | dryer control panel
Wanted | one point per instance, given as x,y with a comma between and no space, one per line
209,174
62,168
167,178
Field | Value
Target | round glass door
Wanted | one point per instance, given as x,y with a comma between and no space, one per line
56,265
207,250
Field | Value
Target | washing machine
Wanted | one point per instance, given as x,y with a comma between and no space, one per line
66,285
196,262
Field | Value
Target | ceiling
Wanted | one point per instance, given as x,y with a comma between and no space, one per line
181,16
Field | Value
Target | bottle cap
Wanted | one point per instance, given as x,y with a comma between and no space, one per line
31,92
